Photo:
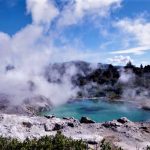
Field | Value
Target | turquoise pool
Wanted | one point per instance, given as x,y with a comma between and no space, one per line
100,110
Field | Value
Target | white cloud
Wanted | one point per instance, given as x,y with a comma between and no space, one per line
77,9
42,11
100,6
5,46
138,28
137,33
136,50
120,59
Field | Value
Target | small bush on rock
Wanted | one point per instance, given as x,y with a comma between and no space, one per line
108,146
148,148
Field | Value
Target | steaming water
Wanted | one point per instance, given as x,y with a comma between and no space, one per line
100,111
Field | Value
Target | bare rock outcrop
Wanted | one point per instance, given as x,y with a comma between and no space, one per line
122,132
86,120
29,106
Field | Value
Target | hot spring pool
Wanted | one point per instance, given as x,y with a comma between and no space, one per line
100,110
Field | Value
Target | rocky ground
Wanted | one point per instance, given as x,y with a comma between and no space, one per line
121,132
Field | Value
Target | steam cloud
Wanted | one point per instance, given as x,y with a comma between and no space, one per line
26,55
134,88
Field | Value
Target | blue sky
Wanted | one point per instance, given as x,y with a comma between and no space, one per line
113,32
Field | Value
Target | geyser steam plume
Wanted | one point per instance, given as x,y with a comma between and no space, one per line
26,54
134,88
24,58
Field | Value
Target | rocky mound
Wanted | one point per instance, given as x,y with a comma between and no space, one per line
29,106
122,132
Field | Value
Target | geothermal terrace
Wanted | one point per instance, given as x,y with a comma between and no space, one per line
121,132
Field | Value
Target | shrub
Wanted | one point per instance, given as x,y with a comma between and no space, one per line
108,146
59,142
148,148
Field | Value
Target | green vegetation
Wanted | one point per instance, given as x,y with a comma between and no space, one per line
148,148
59,142
104,81
108,146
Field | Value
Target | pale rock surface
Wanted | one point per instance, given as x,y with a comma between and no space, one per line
128,135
